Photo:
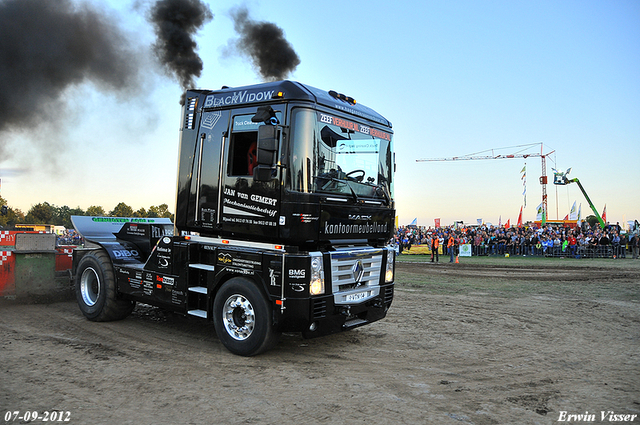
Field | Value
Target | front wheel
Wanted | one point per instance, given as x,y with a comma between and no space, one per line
96,289
243,318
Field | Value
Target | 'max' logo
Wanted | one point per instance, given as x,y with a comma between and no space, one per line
359,217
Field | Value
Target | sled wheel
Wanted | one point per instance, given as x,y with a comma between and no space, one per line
243,318
95,287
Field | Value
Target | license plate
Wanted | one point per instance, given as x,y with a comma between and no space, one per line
356,297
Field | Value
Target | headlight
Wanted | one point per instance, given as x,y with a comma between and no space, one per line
316,284
388,275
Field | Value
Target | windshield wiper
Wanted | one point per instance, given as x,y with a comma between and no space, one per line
385,193
331,179
353,192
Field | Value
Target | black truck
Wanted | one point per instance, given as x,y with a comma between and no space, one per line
284,214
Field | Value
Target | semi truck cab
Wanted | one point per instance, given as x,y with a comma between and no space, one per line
284,213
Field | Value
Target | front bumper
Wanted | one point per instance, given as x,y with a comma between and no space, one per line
320,316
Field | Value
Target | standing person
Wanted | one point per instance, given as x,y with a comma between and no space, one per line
435,243
624,240
477,241
451,246
615,243
573,242
635,245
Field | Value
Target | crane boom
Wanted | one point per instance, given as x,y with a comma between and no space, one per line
561,179
469,157
541,155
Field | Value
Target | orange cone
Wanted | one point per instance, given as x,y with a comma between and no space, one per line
457,262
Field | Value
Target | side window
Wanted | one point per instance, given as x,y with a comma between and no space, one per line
243,145
242,153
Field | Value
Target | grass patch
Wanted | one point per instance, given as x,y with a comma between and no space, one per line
529,261
523,276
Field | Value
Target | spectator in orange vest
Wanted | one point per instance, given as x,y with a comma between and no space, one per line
435,243
451,246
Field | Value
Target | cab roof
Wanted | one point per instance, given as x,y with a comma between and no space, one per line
287,90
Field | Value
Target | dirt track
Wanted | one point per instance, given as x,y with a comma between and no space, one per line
471,358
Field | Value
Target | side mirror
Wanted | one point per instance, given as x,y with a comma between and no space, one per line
265,155
267,144
262,173
265,114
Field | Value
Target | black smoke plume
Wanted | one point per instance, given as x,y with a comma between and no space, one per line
265,44
176,22
47,47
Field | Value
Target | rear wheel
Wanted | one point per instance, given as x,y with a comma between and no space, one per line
96,289
243,318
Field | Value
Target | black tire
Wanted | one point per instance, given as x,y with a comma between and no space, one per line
243,318
95,287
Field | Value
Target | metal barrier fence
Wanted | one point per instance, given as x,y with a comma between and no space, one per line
577,251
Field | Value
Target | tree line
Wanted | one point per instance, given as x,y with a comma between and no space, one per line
46,213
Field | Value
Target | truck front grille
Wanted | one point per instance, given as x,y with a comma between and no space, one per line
355,272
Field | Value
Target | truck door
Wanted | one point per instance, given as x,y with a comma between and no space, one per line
247,206
207,168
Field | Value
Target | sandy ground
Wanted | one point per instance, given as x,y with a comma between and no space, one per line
470,358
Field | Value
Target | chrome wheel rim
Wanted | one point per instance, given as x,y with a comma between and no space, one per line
90,286
238,317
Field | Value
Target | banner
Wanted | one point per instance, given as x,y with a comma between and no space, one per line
573,214
465,250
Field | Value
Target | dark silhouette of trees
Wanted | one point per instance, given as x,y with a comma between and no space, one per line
46,213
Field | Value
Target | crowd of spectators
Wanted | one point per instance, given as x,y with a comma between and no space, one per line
69,237
576,242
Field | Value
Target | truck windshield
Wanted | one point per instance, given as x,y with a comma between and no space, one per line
334,154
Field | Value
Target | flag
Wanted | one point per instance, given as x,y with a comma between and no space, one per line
479,220
539,212
437,222
573,215
414,222
580,212
508,224
604,213
520,218
500,221
524,183
566,217
544,218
